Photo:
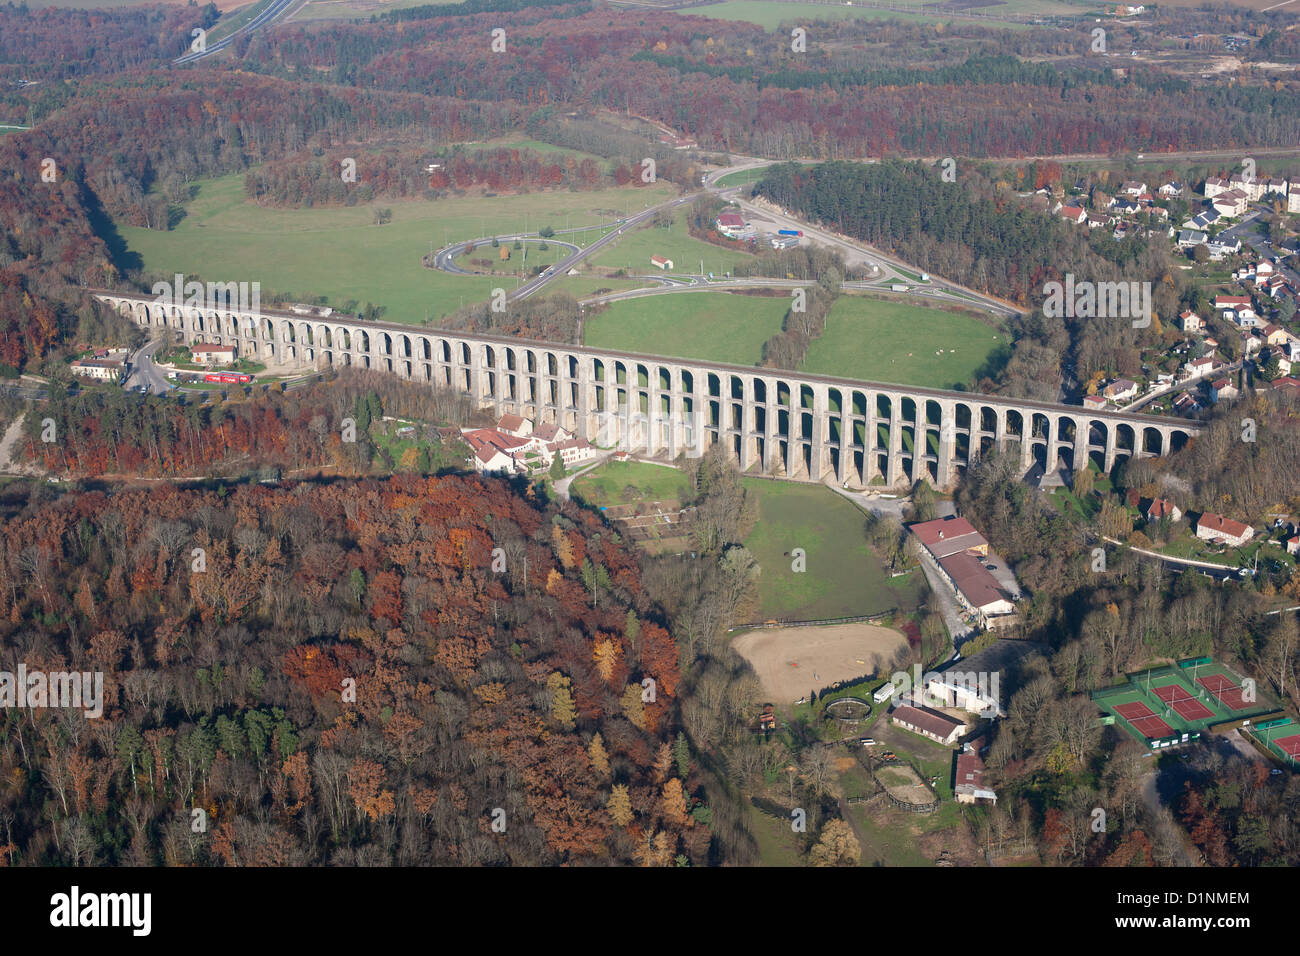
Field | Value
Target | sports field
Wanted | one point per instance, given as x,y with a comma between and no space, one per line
881,340
713,326
791,661
1167,705
339,253
843,576
1280,737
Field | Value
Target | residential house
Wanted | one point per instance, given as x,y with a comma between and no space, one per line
1096,402
1231,301
516,426
1293,198
1133,188
1120,390
1186,404
1287,385
1191,322
1214,186
1172,189
572,451
1162,508
1222,389
1075,214
1233,203
1278,186
205,354
1274,334
1221,246
1199,367
1190,238
494,451
1293,545
1249,186
1215,527
105,370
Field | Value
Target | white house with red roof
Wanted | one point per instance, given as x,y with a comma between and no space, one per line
1215,527
1075,214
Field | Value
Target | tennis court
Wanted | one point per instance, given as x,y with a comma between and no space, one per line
1144,720
1183,703
1229,693
1281,737
1289,745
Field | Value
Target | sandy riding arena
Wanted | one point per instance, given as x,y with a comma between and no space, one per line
791,661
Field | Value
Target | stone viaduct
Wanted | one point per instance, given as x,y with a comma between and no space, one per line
786,424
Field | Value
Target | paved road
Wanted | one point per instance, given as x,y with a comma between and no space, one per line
1261,245
885,269
561,487
446,258
145,373
275,11
562,268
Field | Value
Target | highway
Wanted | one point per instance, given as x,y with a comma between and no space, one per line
273,12
562,268
885,270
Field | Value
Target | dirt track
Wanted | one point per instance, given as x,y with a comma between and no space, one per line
791,661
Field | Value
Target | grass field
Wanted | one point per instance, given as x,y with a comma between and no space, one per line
585,286
712,326
844,577
744,177
338,253
883,341
349,9
604,485
633,251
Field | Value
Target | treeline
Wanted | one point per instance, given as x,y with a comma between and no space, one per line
626,148
468,7
317,179
95,431
976,70
554,318
340,674
800,326
52,44
807,108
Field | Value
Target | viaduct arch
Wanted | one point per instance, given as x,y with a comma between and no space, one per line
786,424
